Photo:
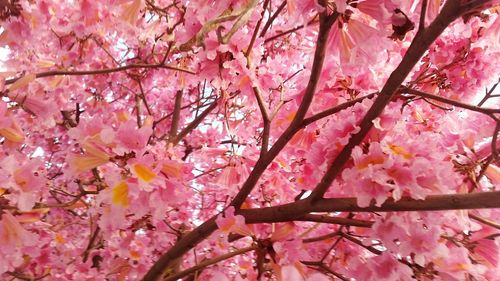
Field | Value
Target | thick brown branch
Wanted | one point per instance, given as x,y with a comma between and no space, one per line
293,211
421,25
479,200
101,71
418,47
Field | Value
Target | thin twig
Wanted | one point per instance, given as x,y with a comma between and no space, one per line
210,262
22,276
265,119
325,268
488,93
271,19
274,37
360,243
452,102
194,123
485,221
256,30
335,109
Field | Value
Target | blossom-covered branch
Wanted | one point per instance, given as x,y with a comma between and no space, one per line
101,71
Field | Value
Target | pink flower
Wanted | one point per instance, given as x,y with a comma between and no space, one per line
14,237
94,155
131,138
486,251
12,233
143,168
231,223
383,267
9,129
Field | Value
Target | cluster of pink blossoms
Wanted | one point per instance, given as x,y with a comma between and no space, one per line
127,124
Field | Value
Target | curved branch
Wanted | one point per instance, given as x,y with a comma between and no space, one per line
452,102
485,221
209,262
180,247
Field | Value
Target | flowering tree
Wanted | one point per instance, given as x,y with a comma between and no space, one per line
249,140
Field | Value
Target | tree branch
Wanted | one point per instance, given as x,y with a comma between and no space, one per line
205,229
484,221
320,238
325,268
256,30
194,123
451,102
478,200
421,25
488,93
418,47
296,124
295,210
101,71
175,115
209,262
271,19
335,109
360,243
22,276
181,247
266,120
276,36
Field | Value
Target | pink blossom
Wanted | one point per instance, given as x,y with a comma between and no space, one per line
231,223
